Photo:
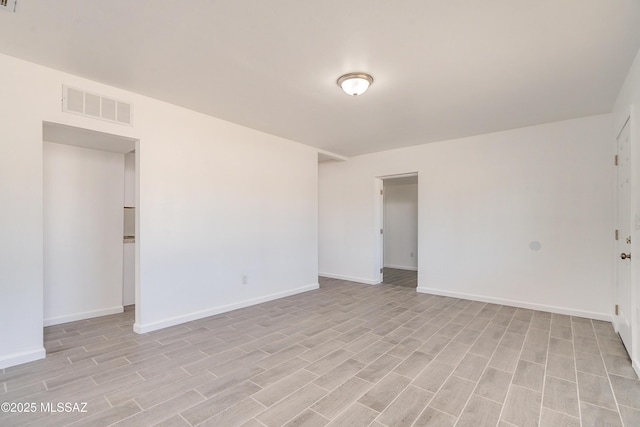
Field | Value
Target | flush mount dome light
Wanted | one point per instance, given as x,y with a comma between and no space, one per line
355,83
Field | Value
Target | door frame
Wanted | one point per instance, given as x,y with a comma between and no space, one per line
379,220
379,229
634,143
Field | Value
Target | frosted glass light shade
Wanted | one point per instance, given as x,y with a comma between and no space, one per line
355,83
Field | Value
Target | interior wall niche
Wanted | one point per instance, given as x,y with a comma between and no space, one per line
83,223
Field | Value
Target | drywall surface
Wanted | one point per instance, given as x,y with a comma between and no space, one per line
83,254
130,179
129,263
21,260
228,216
522,217
216,202
401,226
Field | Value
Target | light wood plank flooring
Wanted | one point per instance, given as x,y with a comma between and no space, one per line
396,276
344,355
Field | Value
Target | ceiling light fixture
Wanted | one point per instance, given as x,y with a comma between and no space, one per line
355,83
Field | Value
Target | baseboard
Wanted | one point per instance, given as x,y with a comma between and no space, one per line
401,267
522,304
349,278
172,321
23,357
81,316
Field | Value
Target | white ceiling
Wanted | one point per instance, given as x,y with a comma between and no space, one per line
442,68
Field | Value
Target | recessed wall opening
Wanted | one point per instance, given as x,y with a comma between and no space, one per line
88,178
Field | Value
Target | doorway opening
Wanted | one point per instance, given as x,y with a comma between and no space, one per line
84,245
399,231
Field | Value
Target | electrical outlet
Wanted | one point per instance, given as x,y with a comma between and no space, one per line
245,279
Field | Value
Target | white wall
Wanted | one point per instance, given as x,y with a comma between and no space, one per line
483,201
216,201
130,179
400,225
628,104
83,196
21,260
129,273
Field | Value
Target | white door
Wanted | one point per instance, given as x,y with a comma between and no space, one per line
623,246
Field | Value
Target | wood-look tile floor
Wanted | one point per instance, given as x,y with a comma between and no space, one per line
396,276
344,355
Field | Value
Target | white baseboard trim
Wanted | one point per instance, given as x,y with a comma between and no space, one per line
522,304
81,316
172,321
22,357
349,278
636,366
401,267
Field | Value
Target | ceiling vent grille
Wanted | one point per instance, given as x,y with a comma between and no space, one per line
77,101
8,5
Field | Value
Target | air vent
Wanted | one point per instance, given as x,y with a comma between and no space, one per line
77,101
8,5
